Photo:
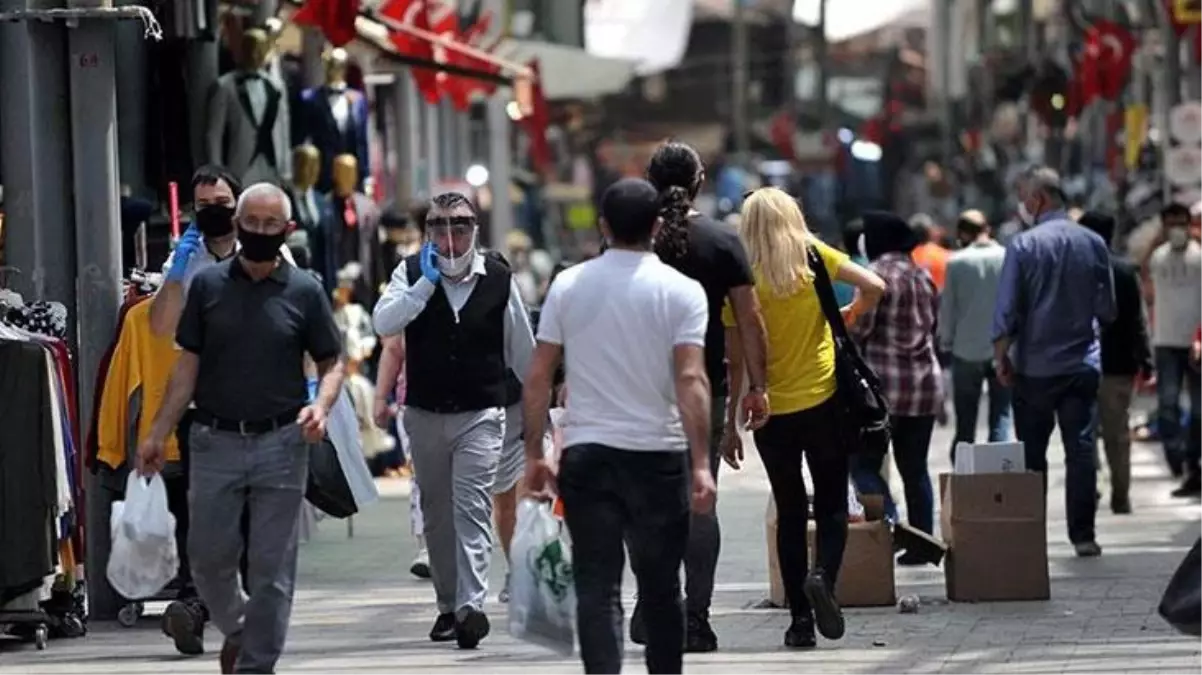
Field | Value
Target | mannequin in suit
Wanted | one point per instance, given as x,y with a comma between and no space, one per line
248,117
350,232
306,204
335,120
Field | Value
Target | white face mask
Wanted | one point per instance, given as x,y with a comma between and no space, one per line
1178,237
1025,215
454,266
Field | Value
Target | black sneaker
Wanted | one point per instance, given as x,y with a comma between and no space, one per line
699,635
827,614
1192,487
186,627
1087,549
801,633
1120,506
471,629
638,629
444,628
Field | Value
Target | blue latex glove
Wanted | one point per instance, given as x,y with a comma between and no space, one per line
185,248
429,261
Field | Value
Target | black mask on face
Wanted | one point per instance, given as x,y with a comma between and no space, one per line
215,220
260,248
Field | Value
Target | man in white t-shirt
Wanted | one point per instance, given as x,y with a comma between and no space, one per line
632,331
1176,271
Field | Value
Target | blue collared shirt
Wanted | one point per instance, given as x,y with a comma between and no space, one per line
1056,289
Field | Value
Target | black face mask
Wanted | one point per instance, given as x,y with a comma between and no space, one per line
260,248
215,220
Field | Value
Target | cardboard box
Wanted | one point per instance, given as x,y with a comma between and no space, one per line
974,458
996,529
866,577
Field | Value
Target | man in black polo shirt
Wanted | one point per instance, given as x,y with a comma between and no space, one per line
465,326
247,325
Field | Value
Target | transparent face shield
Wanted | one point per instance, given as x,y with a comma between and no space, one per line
454,239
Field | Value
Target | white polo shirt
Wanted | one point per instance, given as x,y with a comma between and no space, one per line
618,318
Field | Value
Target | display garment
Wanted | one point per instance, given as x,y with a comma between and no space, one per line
306,213
134,389
350,232
248,127
335,120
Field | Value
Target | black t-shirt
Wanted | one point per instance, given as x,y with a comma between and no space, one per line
252,336
717,261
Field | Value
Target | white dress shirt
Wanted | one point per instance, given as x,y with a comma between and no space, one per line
401,303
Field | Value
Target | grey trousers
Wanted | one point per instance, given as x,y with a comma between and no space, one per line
266,474
455,460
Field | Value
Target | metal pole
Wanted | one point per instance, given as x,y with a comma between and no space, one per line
201,76
418,183
93,105
1169,92
500,171
738,80
131,105
433,162
822,63
943,28
312,45
36,159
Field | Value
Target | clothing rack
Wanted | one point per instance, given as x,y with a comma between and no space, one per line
42,592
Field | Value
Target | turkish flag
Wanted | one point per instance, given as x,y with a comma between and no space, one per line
1117,48
335,18
461,88
415,13
535,124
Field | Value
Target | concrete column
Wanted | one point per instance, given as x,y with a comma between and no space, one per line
500,171
464,157
201,75
432,163
131,104
36,157
91,70
417,175
312,46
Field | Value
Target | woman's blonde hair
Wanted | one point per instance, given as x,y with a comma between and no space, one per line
775,235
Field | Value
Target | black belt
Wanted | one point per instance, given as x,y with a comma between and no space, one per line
245,427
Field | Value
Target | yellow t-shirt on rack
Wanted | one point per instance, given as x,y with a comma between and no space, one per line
801,351
134,389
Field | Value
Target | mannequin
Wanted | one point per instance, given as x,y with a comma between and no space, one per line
306,204
350,232
248,117
335,120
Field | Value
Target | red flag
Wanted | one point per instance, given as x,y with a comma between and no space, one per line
335,18
535,124
1117,46
460,88
415,13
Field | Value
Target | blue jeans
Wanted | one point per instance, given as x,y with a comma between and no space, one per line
1072,401
911,440
967,377
1172,370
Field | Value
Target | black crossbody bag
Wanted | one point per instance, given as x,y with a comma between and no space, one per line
864,413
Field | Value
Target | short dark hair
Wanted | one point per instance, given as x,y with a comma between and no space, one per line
211,174
447,201
1101,224
852,231
923,227
630,208
1176,210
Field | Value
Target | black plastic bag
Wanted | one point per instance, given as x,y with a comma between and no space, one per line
327,488
1181,605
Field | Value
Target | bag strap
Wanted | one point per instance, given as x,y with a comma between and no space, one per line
826,294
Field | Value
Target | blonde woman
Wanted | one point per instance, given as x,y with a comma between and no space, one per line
801,387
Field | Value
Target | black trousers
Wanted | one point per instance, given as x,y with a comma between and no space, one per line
177,504
613,498
781,443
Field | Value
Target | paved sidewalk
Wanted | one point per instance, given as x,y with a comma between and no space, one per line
357,608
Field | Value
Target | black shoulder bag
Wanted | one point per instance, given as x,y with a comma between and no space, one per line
864,413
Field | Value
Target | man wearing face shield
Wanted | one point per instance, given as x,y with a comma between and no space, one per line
465,326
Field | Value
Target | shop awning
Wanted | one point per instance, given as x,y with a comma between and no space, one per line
570,72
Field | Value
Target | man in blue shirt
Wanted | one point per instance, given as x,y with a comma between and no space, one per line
1056,289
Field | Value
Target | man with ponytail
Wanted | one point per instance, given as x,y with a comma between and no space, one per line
710,253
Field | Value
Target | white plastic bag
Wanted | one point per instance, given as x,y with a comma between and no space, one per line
855,510
542,592
342,427
143,558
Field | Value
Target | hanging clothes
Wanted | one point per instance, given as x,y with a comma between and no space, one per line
134,389
92,447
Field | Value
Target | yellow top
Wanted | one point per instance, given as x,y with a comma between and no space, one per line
134,389
801,351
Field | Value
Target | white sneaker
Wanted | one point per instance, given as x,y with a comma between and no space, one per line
421,564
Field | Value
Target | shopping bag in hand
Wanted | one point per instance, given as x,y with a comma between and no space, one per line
1181,605
143,558
542,594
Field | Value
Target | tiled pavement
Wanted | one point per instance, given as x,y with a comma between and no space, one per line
357,608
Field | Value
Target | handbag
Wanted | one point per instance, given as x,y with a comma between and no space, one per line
328,489
864,413
1181,604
